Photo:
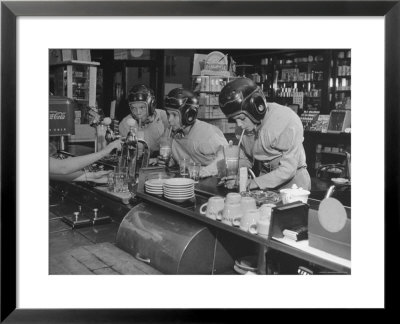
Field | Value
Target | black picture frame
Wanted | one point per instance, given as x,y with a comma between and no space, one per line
10,10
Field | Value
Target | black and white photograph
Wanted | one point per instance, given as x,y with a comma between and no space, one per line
161,158
210,161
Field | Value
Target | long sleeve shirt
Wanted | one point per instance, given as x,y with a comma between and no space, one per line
277,144
152,131
202,145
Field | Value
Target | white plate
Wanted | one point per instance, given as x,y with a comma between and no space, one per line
244,267
179,191
179,196
155,191
240,270
178,188
155,182
174,182
155,194
153,186
180,199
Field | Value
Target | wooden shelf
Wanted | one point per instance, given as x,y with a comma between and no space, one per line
333,153
281,81
298,63
75,62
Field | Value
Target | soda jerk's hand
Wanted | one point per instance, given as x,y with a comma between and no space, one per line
117,144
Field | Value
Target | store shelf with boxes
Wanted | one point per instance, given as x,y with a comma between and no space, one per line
294,78
207,83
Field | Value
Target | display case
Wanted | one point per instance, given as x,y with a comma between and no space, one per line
76,80
340,81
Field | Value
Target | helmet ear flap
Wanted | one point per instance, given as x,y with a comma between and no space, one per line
189,116
258,105
152,105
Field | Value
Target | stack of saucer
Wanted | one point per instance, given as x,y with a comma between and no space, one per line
179,189
246,265
154,186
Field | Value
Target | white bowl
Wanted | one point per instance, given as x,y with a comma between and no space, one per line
340,181
290,195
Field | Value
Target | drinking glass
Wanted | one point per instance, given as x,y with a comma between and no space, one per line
121,179
184,167
194,171
110,181
165,153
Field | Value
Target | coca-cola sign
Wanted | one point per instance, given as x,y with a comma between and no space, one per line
57,115
61,116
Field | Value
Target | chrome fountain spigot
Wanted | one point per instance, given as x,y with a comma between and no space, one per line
135,155
146,153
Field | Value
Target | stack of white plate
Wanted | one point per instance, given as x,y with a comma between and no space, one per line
154,186
179,189
246,265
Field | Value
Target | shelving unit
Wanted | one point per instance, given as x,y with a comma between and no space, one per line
340,82
207,88
292,77
76,80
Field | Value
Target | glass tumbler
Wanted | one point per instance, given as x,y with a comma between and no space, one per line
184,167
121,179
194,171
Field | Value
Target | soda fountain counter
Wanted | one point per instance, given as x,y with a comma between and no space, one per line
148,234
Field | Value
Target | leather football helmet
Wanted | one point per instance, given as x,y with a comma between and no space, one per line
243,96
184,101
142,93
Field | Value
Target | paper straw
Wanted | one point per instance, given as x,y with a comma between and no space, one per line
241,137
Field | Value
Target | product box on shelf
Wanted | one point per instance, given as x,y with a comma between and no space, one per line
204,99
205,83
214,100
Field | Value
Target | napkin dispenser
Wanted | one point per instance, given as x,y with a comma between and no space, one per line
287,216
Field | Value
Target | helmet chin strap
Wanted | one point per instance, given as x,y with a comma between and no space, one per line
181,131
